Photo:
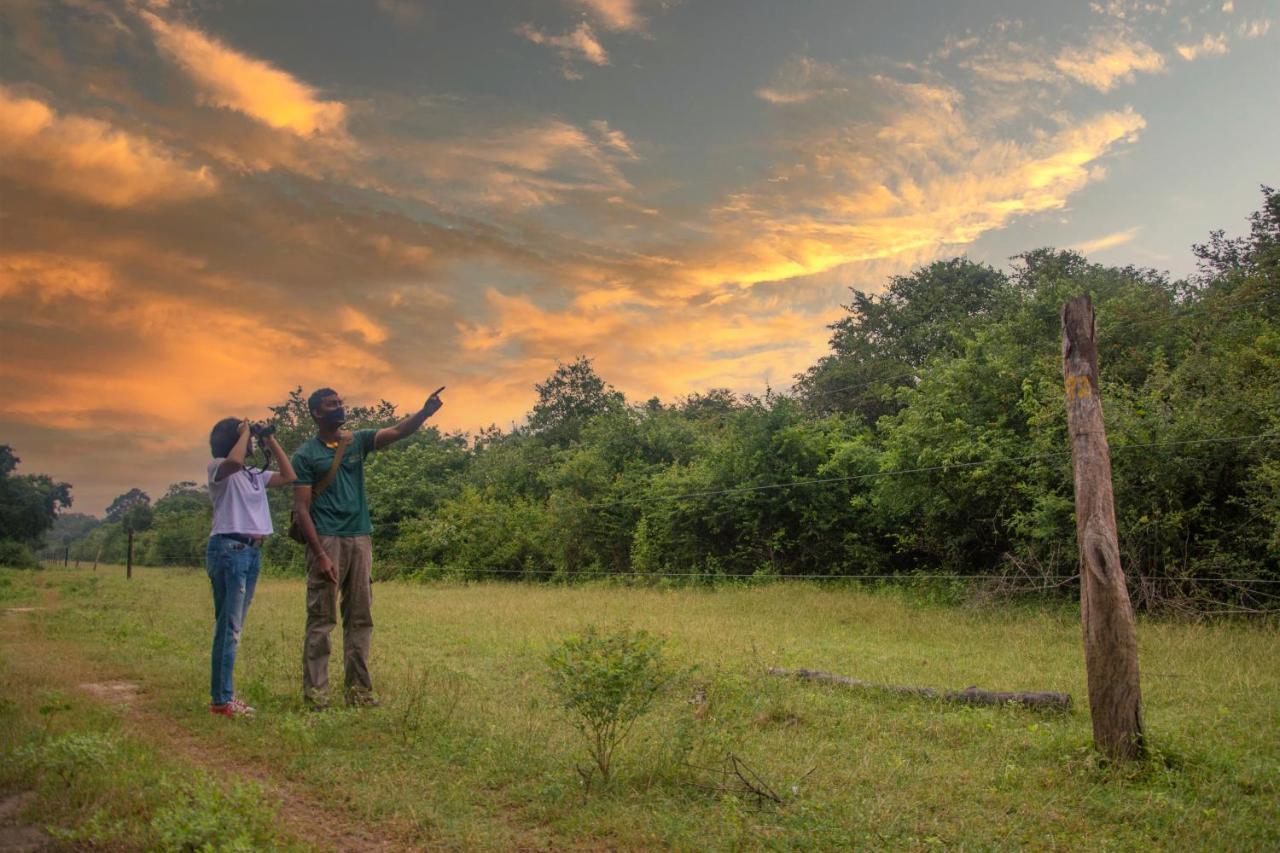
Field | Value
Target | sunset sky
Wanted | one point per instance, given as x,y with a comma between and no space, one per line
206,204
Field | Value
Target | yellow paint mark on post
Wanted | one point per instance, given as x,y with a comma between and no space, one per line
1078,388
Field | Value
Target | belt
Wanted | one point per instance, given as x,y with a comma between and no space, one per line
251,541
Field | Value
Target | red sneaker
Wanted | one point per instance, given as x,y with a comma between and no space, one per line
241,709
224,710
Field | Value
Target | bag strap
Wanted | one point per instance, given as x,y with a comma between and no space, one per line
343,441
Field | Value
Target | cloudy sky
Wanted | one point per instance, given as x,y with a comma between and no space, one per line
206,204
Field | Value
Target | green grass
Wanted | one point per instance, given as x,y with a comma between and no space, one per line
470,751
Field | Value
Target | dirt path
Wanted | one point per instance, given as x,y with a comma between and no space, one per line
16,835
301,817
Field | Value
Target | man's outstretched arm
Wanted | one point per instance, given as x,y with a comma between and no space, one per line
409,425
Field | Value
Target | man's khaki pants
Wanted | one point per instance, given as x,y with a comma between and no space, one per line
353,557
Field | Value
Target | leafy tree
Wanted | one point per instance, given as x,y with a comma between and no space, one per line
294,424
67,528
183,497
1259,253
123,503
8,460
137,518
568,398
887,339
180,526
29,503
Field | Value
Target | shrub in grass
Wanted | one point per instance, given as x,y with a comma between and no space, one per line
201,816
17,555
606,681
71,755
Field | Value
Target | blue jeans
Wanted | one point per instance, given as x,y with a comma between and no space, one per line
233,572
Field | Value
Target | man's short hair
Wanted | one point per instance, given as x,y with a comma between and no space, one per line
223,437
313,402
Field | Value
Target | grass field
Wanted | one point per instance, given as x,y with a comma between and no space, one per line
470,750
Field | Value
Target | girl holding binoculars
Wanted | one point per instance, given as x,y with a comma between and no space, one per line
241,521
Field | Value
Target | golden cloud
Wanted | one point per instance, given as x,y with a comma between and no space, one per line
89,159
51,277
647,347
519,167
1107,241
580,43
1210,45
1254,29
617,15
802,80
358,322
908,179
1109,58
153,367
230,79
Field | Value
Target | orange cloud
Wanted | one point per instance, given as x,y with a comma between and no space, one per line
1112,55
614,138
1210,45
580,43
361,324
1254,29
1109,58
617,15
905,181
89,159
123,386
645,347
230,79
526,166
520,319
804,79
1107,241
51,277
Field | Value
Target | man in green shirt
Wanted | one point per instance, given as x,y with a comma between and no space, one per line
335,524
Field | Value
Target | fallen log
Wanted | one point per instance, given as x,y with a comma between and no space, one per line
968,696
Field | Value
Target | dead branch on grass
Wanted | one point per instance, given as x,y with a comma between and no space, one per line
740,780
968,696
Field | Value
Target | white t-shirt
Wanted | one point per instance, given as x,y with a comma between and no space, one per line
240,502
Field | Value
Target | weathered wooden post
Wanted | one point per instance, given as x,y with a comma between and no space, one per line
1110,635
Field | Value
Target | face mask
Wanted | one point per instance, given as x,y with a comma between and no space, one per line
336,416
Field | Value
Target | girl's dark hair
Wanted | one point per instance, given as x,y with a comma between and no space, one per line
223,437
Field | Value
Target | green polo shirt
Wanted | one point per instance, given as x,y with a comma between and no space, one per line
341,510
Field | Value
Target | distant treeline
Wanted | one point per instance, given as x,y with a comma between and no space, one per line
931,438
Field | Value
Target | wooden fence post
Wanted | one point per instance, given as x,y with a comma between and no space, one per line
1110,635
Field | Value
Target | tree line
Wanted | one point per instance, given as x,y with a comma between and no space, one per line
930,438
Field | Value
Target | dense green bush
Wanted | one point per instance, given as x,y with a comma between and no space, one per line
17,555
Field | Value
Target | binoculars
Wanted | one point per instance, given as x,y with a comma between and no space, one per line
262,430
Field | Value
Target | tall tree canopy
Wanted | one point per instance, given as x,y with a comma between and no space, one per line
29,503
